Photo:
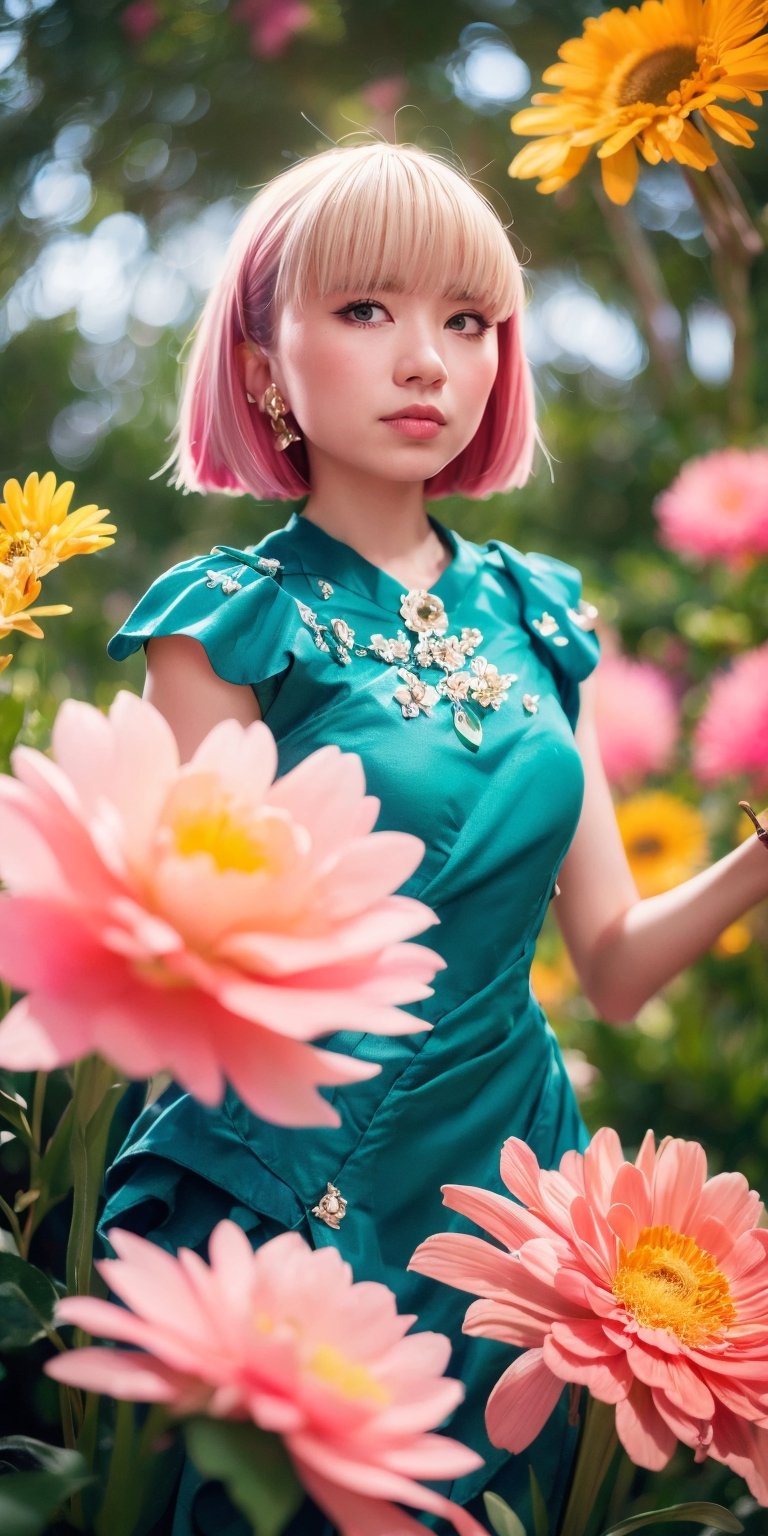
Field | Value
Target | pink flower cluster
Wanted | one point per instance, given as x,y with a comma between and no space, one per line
637,719
645,1282
285,1338
731,737
717,508
202,918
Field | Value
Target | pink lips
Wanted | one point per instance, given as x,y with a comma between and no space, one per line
417,421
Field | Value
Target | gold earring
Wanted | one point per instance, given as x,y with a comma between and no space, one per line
275,407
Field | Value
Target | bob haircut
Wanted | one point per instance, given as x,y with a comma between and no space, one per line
365,217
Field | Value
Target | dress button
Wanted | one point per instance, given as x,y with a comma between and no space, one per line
331,1207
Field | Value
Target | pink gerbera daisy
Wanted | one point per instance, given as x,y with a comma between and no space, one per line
637,718
285,1338
731,738
202,918
646,1282
717,508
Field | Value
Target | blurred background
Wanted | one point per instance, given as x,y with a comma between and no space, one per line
132,136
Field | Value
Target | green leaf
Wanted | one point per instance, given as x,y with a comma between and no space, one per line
254,1468
539,1505
11,721
29,1499
503,1520
13,1109
699,1513
55,1170
27,1301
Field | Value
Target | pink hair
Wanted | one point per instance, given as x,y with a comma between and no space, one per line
327,224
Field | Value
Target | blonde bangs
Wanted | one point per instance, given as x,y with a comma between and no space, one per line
403,221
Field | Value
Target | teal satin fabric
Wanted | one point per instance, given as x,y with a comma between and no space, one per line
496,824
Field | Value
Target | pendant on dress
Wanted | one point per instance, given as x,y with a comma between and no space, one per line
467,725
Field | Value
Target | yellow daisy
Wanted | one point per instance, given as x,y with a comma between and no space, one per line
35,522
19,587
632,82
665,840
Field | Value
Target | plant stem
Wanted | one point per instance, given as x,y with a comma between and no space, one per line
14,1224
96,1096
596,1451
735,243
661,319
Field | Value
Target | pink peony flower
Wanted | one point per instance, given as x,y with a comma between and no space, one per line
284,1337
202,919
717,508
637,718
272,23
731,738
645,1282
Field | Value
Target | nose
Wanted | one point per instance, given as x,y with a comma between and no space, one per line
421,362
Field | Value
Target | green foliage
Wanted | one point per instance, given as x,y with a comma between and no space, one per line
27,1301
254,1468
697,1513
30,1498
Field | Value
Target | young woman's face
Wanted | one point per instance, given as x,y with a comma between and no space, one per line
393,384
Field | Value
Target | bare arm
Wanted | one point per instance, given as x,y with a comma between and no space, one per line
625,949
182,684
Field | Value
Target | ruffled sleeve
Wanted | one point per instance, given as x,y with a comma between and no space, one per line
233,603
559,619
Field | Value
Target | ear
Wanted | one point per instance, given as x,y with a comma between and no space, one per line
254,369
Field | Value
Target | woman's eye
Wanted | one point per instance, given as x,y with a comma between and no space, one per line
365,312
468,324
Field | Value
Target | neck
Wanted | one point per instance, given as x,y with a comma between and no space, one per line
385,521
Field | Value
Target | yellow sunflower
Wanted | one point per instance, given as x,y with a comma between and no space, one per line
633,80
35,522
665,840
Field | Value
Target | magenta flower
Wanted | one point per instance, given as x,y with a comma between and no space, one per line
285,1338
645,1282
731,738
139,19
202,919
717,508
272,23
637,719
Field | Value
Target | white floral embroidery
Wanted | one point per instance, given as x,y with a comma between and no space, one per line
531,703
585,616
415,695
391,650
470,640
424,612
489,687
343,632
455,687
547,625
228,584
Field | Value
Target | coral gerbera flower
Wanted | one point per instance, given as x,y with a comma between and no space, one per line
646,1282
731,738
664,838
35,522
199,918
717,507
285,1338
632,82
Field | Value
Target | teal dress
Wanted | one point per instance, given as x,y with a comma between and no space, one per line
465,732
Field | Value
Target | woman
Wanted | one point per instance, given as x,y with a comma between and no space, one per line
363,347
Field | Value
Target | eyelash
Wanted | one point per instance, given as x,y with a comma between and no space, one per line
346,314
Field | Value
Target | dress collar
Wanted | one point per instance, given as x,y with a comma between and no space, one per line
320,554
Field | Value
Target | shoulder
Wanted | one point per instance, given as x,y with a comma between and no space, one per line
552,606
230,600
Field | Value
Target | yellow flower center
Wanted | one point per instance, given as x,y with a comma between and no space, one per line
348,1377
653,78
668,1281
646,847
228,842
